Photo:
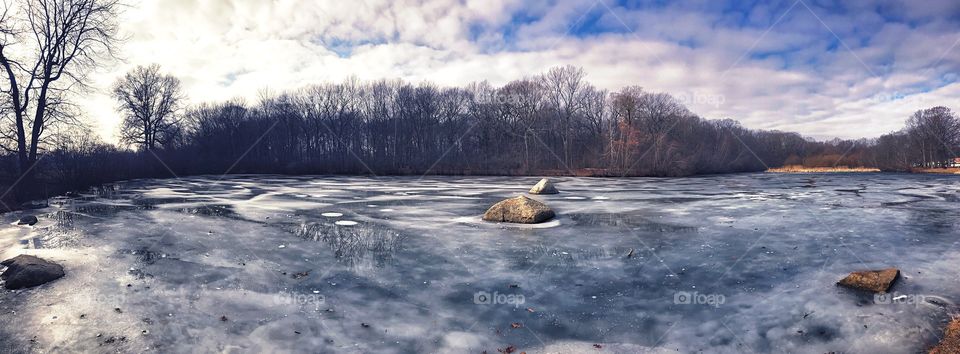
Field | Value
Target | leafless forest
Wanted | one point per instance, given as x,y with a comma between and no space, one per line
551,123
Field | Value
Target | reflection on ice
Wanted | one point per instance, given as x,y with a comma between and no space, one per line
632,221
354,244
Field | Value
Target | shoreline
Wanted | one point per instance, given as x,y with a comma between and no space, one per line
939,171
841,169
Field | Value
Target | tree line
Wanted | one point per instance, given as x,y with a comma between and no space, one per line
552,123
555,123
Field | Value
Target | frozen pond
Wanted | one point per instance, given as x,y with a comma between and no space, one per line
729,264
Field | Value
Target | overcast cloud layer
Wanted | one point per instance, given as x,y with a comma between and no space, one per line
825,69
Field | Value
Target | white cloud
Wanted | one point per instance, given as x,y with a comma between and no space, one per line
223,49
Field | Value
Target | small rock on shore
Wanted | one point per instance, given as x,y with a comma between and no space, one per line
878,281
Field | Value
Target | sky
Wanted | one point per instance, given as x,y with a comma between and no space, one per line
847,69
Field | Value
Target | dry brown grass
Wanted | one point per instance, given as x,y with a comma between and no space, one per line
804,169
949,171
950,343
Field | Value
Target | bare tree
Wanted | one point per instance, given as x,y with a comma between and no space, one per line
151,102
625,140
660,111
565,87
936,131
893,152
46,48
595,120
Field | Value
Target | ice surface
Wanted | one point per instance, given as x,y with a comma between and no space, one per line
728,264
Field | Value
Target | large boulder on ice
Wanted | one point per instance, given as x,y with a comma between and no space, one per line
950,343
521,210
544,187
878,281
28,220
25,271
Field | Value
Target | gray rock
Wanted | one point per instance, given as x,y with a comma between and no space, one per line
521,210
28,220
544,187
25,271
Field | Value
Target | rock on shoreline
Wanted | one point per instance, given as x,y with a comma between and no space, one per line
26,271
